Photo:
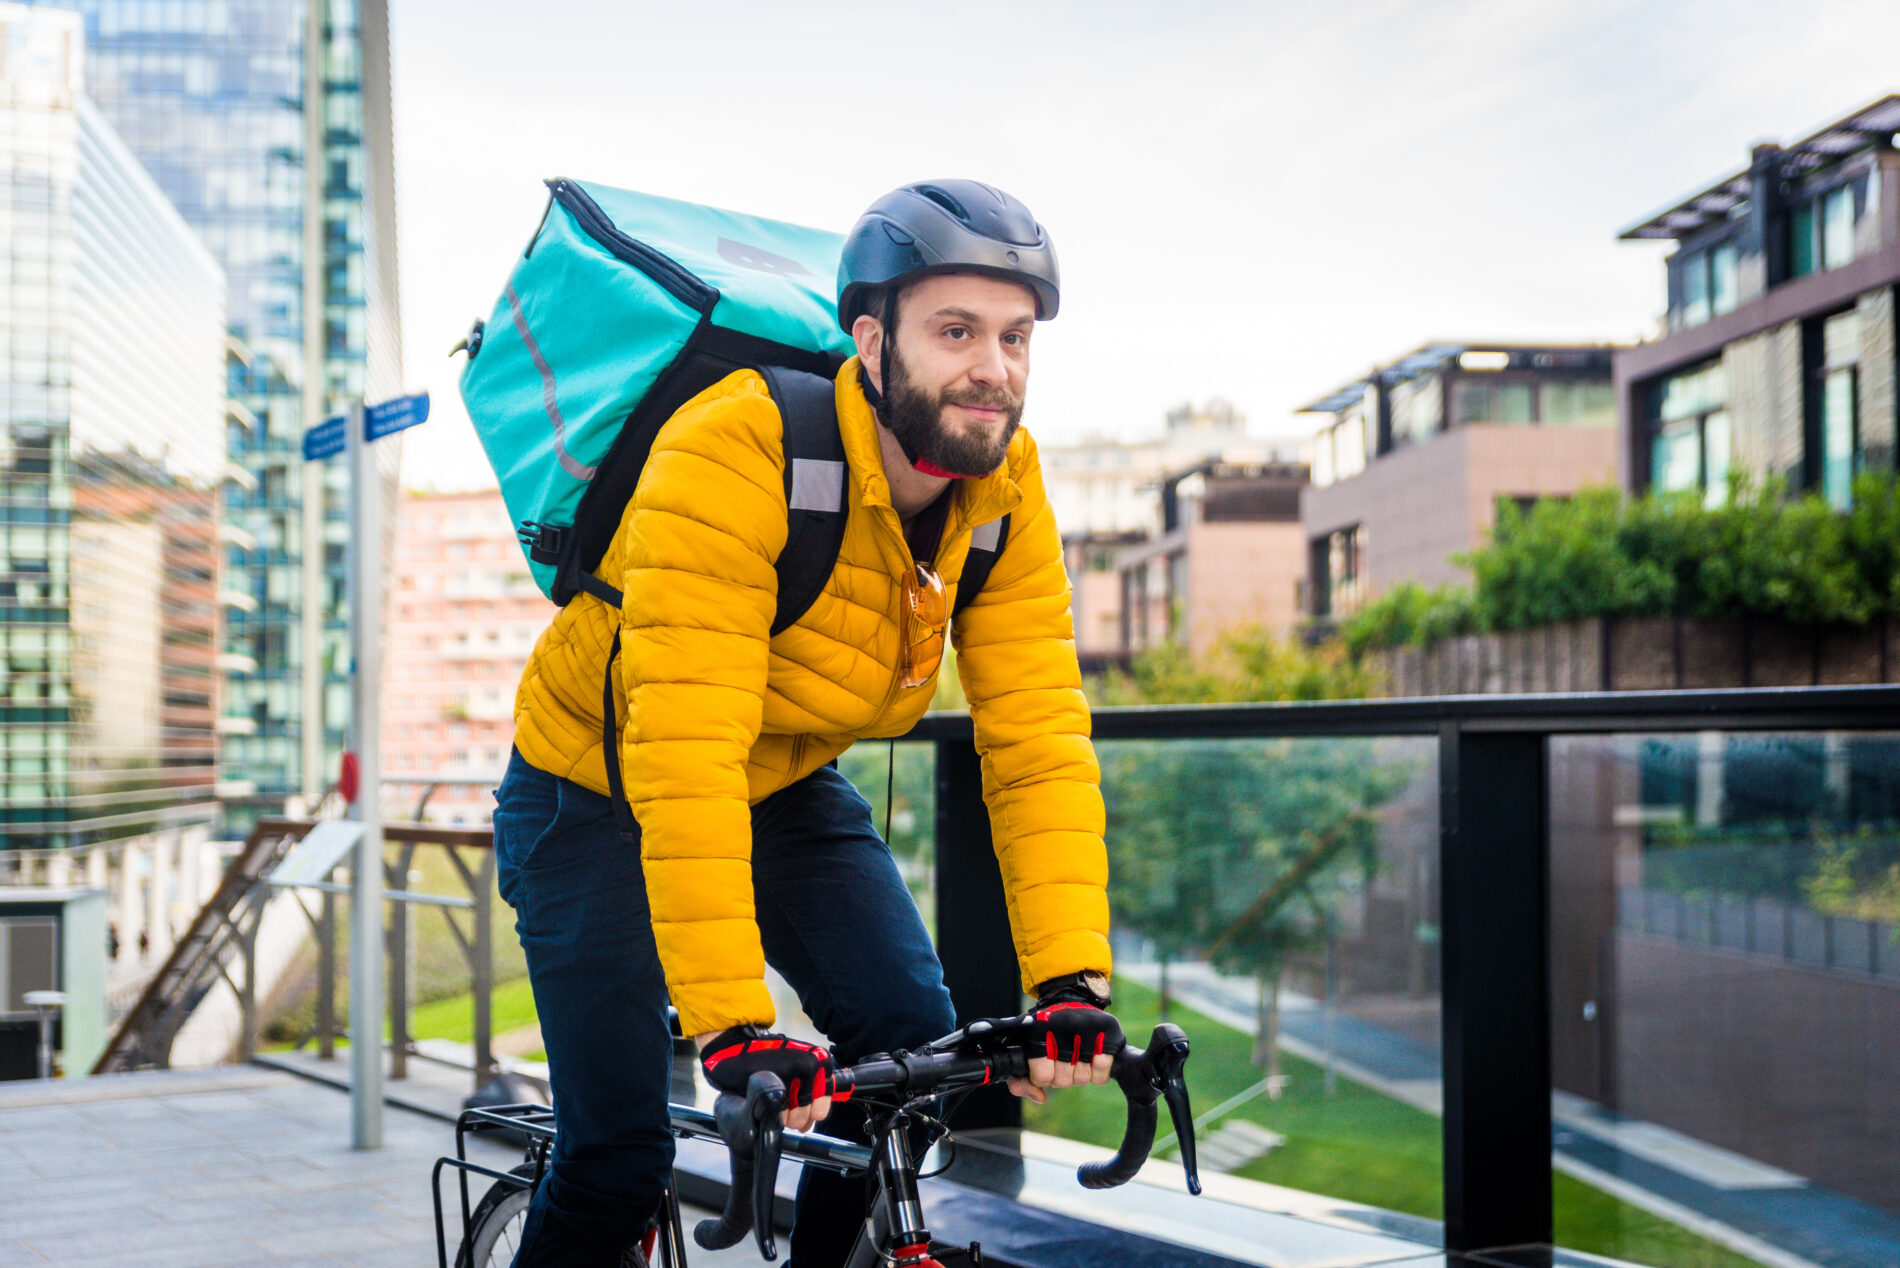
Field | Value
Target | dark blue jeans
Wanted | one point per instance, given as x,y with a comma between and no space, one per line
835,919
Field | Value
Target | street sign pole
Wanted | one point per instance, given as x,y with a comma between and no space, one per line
365,550
354,435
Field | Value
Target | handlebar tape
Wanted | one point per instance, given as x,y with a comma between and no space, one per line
1137,1140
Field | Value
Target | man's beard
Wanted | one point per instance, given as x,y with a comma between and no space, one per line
916,418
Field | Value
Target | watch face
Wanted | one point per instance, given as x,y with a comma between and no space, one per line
1097,984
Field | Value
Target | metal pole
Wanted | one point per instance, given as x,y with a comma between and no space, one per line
326,979
399,969
1495,886
484,917
366,910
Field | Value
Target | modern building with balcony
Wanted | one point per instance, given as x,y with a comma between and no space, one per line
112,417
464,617
1778,355
1409,468
267,124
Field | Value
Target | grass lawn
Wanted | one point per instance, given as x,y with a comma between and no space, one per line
1357,1144
511,1006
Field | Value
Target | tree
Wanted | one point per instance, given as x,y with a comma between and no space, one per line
1239,849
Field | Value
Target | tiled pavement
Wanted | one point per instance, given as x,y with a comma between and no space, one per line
215,1170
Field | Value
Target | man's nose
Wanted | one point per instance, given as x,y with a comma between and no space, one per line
991,368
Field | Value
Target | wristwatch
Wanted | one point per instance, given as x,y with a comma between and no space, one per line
1090,984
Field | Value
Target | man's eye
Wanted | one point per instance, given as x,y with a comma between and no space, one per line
1016,339
956,332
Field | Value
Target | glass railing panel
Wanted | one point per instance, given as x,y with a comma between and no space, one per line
900,781
1726,997
1278,899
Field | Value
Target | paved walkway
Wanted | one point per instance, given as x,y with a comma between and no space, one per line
217,1169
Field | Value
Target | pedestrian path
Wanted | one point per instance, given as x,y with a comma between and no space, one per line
1769,1215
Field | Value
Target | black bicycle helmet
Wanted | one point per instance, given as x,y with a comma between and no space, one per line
952,226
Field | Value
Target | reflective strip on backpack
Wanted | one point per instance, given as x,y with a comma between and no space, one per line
987,536
817,485
574,468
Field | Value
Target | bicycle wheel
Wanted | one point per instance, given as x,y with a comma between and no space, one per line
494,1227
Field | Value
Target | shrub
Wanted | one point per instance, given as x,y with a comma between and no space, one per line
1409,613
1761,554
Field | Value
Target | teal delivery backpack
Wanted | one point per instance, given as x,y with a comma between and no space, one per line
621,309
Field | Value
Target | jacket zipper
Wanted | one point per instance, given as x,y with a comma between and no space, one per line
677,281
903,624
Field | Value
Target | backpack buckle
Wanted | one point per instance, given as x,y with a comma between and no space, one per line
546,543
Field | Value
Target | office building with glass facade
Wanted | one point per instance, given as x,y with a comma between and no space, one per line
112,408
267,123
1778,353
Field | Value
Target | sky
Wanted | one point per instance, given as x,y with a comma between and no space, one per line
1256,201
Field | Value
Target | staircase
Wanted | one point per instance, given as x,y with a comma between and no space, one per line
224,927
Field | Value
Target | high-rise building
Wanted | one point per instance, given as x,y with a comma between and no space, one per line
267,123
463,619
112,405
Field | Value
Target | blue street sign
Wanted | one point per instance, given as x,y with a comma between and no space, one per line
394,416
325,440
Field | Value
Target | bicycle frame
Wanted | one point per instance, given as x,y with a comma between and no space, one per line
536,1122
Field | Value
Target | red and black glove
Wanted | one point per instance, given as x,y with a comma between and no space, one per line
1069,1030
737,1054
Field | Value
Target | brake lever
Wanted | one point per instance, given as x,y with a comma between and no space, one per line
765,1100
1167,1056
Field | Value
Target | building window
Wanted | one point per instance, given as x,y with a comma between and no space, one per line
1821,229
1418,409
1695,289
1576,403
1337,569
1839,412
1489,400
1690,445
1710,283
1349,446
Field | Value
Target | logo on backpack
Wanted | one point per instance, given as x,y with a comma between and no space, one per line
759,260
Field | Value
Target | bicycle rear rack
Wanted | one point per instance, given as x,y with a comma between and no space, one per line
534,1123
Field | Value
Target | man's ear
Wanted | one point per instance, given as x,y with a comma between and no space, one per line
868,333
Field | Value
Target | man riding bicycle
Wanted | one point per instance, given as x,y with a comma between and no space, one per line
752,848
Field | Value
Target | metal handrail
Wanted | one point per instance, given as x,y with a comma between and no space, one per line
1874,707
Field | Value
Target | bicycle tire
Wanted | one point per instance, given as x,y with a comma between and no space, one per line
494,1227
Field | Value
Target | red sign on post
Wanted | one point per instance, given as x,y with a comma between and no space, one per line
349,779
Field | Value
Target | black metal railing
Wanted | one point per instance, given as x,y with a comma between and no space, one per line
1494,942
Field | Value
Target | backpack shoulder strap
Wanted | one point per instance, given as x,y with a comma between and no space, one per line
816,492
986,546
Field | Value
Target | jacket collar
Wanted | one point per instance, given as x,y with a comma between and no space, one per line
979,500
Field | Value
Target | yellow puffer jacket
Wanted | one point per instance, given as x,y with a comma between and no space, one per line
717,714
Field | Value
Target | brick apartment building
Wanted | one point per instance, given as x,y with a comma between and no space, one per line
465,615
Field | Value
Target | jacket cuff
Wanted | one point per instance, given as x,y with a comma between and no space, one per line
707,1007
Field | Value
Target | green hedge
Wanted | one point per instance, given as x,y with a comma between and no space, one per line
1761,554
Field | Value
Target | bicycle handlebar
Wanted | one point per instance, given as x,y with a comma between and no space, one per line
751,1127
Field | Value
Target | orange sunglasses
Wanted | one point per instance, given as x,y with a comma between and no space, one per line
929,614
